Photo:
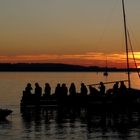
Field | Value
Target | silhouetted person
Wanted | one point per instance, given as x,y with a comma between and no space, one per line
58,90
72,89
64,90
28,89
38,90
47,90
93,91
123,88
102,88
83,89
116,88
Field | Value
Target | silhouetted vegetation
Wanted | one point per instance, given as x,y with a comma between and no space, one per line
53,67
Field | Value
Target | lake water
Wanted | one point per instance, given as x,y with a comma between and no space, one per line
54,124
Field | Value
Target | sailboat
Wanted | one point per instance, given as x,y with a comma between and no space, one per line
106,73
127,39
106,69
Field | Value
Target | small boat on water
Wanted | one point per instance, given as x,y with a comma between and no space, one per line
4,113
106,73
106,69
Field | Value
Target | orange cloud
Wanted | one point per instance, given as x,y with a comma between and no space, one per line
89,58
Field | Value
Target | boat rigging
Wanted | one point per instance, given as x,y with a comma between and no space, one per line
128,40
126,43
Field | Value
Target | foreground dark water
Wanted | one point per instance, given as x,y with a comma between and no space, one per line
76,124
84,123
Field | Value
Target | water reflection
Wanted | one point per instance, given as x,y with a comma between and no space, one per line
5,127
82,123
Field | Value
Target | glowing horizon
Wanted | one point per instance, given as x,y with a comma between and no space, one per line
67,31
87,59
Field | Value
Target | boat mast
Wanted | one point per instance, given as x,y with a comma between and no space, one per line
126,43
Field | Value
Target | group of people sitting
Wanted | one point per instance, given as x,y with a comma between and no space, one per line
63,90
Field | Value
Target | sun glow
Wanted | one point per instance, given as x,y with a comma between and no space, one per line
87,59
137,59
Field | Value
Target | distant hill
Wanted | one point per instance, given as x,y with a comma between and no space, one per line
53,67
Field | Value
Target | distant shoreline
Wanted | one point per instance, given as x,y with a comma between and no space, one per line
55,67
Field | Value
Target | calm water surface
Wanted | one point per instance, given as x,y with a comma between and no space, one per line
59,124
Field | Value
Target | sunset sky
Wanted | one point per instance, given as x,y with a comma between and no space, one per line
84,32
